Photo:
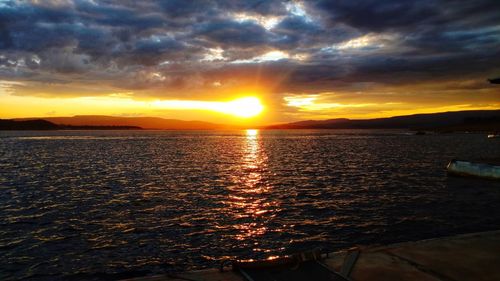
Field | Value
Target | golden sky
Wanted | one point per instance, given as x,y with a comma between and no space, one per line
243,63
254,107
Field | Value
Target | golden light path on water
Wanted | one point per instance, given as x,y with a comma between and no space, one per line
248,199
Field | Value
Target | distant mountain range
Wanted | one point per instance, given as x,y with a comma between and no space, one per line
139,122
474,120
39,124
27,125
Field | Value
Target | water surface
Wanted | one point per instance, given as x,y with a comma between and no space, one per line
111,204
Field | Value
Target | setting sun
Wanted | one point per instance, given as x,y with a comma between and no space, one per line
244,107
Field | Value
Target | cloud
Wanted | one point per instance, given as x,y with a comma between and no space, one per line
179,48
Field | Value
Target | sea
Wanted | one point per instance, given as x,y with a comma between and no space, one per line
106,205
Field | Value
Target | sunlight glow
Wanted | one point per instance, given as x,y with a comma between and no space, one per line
297,8
214,54
309,103
300,101
269,56
251,133
268,22
275,55
245,107
355,43
366,42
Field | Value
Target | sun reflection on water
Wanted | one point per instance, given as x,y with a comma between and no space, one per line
248,200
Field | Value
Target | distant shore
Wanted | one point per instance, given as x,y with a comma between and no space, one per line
39,124
487,121
445,122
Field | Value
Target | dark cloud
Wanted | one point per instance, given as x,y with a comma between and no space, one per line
228,33
375,15
176,44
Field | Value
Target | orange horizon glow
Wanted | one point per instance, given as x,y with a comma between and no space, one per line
249,106
240,109
244,107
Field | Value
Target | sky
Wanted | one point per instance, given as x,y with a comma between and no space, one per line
193,60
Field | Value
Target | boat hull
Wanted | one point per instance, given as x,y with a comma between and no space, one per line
466,168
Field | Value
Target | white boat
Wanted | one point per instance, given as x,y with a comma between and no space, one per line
492,136
466,168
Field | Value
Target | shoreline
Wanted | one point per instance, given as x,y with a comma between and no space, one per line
471,256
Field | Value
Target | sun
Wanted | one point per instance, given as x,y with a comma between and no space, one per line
243,107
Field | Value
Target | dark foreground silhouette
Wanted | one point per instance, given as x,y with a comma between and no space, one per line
474,120
458,121
40,124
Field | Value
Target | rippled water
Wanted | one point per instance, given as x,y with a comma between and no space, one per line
112,204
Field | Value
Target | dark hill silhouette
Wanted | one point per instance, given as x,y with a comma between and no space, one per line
488,120
494,80
27,125
143,122
474,120
39,124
